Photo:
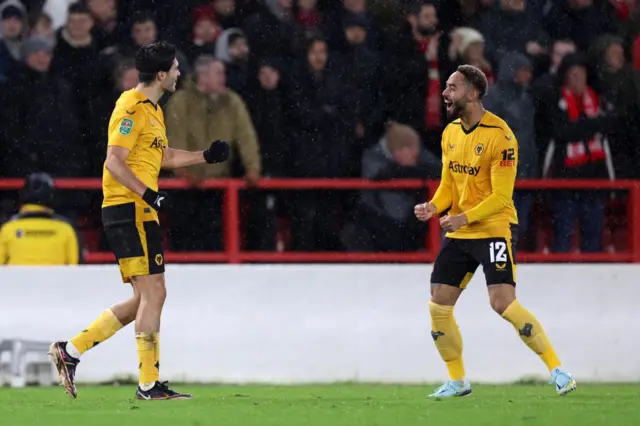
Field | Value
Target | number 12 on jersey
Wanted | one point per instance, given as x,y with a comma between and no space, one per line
497,251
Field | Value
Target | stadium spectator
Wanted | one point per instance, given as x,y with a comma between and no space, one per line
269,109
362,73
226,13
106,25
544,94
205,110
582,21
12,29
268,105
334,31
75,59
510,100
501,24
416,67
233,50
44,132
579,149
36,235
617,85
205,33
383,219
41,26
467,47
273,31
308,16
323,111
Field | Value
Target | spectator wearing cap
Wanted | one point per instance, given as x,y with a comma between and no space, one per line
206,31
513,27
44,133
417,66
362,73
36,235
579,150
467,48
510,100
12,29
617,85
232,49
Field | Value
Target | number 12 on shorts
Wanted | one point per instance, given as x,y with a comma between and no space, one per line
498,251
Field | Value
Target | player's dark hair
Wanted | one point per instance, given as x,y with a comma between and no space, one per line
78,8
154,58
475,78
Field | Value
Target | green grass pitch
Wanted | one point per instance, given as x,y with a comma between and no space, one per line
330,405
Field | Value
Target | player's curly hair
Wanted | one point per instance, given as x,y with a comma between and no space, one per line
475,78
154,58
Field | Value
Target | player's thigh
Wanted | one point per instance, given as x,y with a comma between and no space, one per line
452,270
497,259
138,249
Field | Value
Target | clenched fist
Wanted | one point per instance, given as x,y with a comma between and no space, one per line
425,211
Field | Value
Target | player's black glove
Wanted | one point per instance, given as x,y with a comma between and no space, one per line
157,200
217,152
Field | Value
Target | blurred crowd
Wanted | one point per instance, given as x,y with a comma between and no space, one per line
327,89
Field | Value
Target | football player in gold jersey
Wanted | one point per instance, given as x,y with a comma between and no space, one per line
137,150
479,163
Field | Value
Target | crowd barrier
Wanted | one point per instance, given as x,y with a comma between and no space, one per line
234,254
333,323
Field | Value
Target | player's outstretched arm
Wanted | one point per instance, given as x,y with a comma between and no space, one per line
218,152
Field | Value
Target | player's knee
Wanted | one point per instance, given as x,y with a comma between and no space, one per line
445,295
500,300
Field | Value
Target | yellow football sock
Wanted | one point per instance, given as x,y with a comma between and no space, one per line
531,333
148,357
100,330
448,340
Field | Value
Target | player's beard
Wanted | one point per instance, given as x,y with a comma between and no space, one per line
456,110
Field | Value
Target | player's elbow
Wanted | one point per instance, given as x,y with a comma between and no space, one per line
113,163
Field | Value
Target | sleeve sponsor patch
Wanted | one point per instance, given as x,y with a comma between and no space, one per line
125,126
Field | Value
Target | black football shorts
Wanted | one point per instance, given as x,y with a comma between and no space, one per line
136,244
459,258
